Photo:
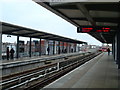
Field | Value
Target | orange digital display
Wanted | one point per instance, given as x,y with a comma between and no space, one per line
93,29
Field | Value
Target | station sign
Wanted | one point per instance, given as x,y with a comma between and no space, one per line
87,29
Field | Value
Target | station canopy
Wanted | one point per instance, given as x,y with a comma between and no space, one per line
93,13
16,30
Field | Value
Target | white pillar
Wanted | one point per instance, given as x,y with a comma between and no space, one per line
115,48
46,46
0,52
55,47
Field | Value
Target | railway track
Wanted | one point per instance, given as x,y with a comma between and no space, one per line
39,77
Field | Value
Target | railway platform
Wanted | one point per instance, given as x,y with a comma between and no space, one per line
24,59
17,65
101,72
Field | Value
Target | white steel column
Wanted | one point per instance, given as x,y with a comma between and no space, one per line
1,53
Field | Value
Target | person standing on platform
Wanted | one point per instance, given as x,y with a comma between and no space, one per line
48,49
7,52
12,53
59,50
72,50
108,50
65,50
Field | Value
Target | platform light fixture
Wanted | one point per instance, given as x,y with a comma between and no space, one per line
8,35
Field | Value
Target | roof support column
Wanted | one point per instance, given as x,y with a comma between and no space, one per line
63,48
58,47
40,47
48,48
69,47
30,45
113,48
75,47
78,47
53,47
17,49
1,53
118,47
1,45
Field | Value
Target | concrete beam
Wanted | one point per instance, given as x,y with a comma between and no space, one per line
57,2
103,37
85,12
99,19
56,12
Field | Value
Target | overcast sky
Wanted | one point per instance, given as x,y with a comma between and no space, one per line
29,14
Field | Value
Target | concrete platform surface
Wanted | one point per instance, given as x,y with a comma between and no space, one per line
46,57
100,72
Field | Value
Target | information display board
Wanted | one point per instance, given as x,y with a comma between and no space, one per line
87,29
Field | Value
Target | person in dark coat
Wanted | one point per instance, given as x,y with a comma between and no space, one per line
7,53
12,53
59,50
108,50
48,50
72,50
65,50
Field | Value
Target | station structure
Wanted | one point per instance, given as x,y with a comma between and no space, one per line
100,19
10,29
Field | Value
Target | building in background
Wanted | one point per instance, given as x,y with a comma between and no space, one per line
24,47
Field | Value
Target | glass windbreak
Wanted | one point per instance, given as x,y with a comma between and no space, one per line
24,47
35,47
